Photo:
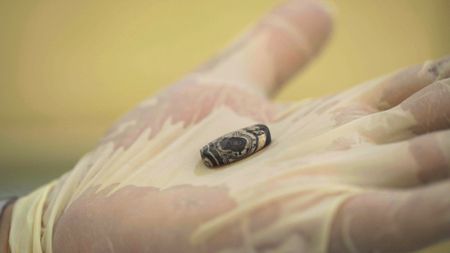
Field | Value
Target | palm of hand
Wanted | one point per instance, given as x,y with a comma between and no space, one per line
336,177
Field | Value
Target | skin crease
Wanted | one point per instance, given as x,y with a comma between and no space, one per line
333,140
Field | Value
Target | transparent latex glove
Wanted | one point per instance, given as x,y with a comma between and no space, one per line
365,170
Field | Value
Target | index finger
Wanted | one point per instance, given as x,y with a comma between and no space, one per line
276,48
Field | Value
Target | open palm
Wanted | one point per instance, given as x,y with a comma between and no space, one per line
360,171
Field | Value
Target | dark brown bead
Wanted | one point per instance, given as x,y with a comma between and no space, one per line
236,145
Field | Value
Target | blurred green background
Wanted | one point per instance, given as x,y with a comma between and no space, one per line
68,69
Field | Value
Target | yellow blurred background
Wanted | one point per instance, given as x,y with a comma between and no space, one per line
68,69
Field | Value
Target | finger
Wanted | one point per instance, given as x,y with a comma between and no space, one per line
430,107
270,53
393,89
418,161
393,221
384,93
426,111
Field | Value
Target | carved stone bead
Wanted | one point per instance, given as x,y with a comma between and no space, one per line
235,146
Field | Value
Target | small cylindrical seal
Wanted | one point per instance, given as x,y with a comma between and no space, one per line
235,146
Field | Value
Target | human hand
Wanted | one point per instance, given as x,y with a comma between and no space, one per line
353,172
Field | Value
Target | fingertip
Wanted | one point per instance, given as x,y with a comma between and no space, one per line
312,19
330,7
296,32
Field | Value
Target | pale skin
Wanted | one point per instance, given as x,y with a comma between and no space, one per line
371,162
